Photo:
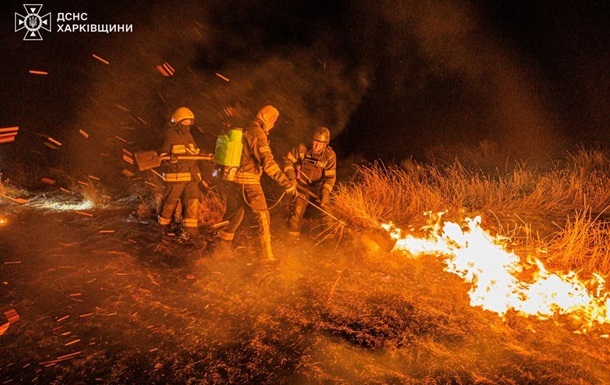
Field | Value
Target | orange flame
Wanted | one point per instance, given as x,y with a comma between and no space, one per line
483,261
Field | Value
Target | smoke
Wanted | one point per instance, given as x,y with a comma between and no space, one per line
509,109
444,77
390,79
215,66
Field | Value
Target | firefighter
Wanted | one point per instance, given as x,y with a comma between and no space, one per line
246,190
315,169
181,177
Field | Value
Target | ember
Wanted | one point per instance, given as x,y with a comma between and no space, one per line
100,59
8,134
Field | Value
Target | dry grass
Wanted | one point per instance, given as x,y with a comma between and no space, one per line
320,316
582,244
149,191
5,188
560,208
211,208
92,190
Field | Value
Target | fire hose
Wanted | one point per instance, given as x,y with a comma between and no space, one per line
305,193
373,240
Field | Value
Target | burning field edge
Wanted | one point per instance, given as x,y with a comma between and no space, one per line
99,298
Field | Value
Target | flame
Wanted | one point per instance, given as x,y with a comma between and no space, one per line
484,261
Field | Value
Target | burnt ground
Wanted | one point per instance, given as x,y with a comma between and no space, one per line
97,306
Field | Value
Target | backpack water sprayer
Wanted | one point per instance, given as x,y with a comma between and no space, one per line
228,152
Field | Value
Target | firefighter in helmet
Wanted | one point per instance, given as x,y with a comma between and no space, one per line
315,169
181,177
246,190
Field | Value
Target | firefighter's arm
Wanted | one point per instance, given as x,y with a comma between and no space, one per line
201,181
329,178
267,161
290,159
204,182
166,147
167,144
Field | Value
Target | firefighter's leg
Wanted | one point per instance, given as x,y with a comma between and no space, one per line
170,200
235,210
190,213
296,218
256,200
190,207
265,236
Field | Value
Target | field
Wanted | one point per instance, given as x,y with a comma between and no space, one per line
92,294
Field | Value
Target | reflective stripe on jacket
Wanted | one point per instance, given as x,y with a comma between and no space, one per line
179,176
257,158
179,141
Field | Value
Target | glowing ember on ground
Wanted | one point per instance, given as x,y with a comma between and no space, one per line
64,206
483,261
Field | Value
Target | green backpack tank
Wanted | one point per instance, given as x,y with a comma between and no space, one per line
228,152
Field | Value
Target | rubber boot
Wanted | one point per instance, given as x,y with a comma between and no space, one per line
296,219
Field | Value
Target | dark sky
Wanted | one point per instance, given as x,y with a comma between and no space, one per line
392,79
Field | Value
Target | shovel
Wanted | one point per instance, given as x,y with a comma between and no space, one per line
147,160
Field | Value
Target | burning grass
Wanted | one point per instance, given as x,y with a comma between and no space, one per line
561,209
109,308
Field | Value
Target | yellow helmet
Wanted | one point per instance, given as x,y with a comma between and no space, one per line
182,113
322,134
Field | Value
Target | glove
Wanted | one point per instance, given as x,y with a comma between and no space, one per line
292,188
324,197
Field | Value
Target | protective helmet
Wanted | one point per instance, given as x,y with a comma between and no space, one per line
322,134
268,115
182,113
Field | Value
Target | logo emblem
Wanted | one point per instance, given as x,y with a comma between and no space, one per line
32,22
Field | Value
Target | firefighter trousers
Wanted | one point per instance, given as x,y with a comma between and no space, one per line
188,192
295,223
239,198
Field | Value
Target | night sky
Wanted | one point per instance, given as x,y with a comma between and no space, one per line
392,79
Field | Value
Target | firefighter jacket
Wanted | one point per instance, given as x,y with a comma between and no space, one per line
309,169
179,141
257,158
